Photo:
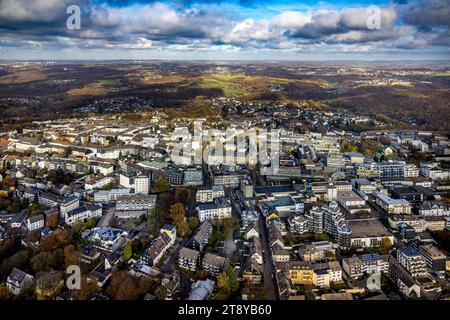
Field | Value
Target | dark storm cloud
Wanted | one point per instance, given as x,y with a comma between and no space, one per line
425,12
134,24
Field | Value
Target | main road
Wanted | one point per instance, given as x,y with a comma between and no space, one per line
269,269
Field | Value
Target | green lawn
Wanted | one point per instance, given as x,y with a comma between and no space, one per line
108,82
228,88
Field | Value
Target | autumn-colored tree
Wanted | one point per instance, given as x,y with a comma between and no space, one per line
227,284
5,294
200,275
161,293
193,223
51,219
177,214
348,146
57,239
161,185
41,262
88,289
369,147
49,284
18,260
127,251
113,222
124,286
386,244
71,256
182,195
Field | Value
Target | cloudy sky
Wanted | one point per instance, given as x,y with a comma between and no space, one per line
227,30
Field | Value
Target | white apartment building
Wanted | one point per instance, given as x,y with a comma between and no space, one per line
83,213
98,183
68,204
411,171
392,206
141,185
35,222
110,195
208,194
413,261
218,210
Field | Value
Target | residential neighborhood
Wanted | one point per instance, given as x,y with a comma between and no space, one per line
346,215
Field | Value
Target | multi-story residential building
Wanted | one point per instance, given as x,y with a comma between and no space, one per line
404,281
279,253
188,258
110,195
329,219
49,199
68,204
435,173
208,194
317,251
353,267
255,250
298,224
357,267
391,170
193,177
314,218
83,213
414,221
35,222
301,272
434,208
17,280
160,245
410,194
386,170
106,238
411,259
89,256
411,171
434,258
248,218
97,181
213,264
317,274
201,238
141,184
392,206
135,202
367,170
217,210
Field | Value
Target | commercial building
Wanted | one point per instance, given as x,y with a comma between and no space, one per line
368,234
